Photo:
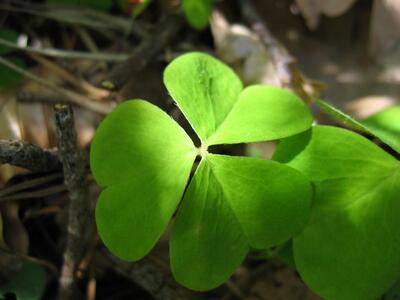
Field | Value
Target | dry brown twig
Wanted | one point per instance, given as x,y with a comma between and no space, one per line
71,96
26,155
83,85
66,54
77,15
149,277
145,52
285,64
79,216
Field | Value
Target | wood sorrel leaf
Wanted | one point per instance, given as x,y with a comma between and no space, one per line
263,113
143,159
204,88
210,95
351,247
384,125
28,284
197,12
207,242
234,203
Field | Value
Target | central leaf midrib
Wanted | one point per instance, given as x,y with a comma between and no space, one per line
217,127
227,199
380,184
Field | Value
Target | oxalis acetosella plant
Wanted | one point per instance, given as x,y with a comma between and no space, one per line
143,159
333,192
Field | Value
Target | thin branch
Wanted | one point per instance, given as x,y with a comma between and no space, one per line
79,219
285,64
73,97
146,51
35,194
150,278
79,83
26,155
66,54
280,57
20,257
28,184
72,15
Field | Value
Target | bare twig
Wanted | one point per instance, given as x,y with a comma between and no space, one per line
66,54
28,184
79,220
73,97
146,51
45,192
279,55
77,15
79,83
29,156
285,65
145,274
19,258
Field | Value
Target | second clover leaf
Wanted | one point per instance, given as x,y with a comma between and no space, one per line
143,159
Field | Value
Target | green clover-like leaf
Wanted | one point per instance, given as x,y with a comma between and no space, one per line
143,159
210,95
28,284
351,247
232,204
385,125
197,12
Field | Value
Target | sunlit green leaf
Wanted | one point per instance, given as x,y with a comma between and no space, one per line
210,95
269,209
384,125
207,242
263,113
143,158
340,116
197,12
351,247
204,88
234,203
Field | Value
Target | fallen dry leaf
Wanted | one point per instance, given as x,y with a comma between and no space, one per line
313,9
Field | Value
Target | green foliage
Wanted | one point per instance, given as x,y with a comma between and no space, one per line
197,12
212,98
28,283
351,247
9,77
145,174
8,35
384,125
142,159
234,203
140,8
